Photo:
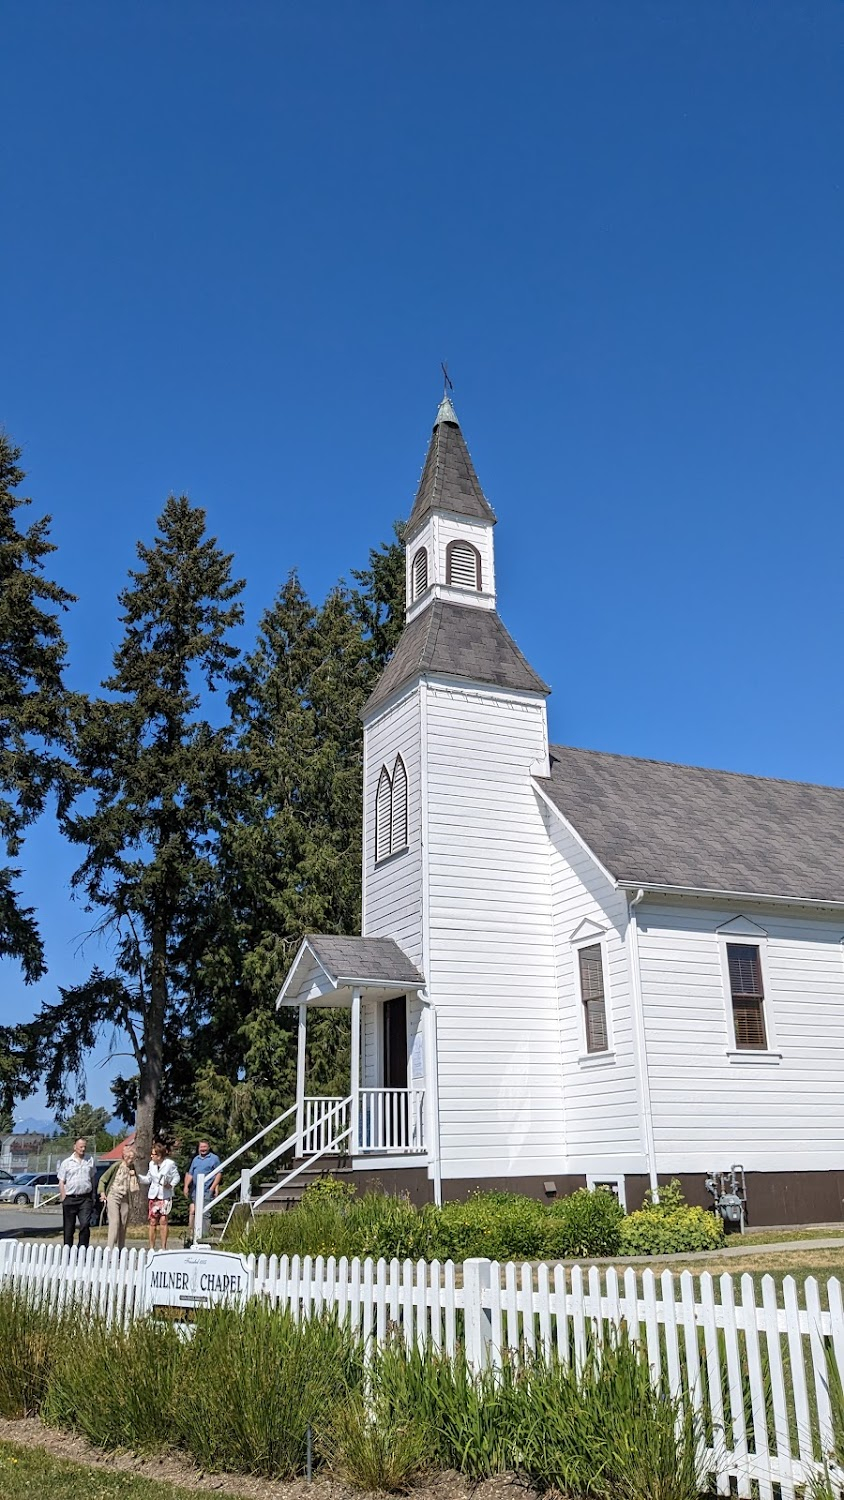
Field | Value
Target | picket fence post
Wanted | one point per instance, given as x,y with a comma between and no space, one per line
477,1279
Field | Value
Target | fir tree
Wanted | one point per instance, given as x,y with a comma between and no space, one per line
158,780
33,702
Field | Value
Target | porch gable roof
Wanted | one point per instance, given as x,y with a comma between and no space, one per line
337,964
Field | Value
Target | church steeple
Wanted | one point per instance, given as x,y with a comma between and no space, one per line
449,534
449,481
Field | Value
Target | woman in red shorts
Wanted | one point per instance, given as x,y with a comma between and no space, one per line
162,1177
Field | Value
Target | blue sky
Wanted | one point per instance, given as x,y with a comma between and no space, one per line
239,239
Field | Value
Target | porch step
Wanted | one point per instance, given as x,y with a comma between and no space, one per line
284,1198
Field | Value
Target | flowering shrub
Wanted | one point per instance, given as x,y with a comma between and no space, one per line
670,1226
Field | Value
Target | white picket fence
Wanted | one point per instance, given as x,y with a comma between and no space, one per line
756,1370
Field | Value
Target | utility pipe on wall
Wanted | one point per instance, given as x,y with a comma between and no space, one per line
641,1042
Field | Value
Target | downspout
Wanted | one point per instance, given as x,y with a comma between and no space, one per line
641,1042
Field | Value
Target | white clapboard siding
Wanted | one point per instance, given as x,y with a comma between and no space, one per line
755,1367
602,1112
781,1114
491,961
393,889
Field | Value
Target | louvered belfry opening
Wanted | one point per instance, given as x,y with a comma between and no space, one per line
748,996
398,818
462,565
383,815
391,811
419,574
592,995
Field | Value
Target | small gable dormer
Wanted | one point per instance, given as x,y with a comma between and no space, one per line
449,535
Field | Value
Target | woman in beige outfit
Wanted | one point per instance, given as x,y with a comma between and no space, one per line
119,1190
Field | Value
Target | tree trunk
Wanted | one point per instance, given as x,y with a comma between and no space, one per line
149,1080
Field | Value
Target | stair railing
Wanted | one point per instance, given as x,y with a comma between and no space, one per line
244,1181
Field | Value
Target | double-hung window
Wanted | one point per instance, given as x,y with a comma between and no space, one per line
748,997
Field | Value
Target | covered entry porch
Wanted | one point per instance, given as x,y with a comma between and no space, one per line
386,1111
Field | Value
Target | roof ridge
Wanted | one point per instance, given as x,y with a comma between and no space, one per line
679,765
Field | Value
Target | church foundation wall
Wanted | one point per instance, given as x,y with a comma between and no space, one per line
772,1197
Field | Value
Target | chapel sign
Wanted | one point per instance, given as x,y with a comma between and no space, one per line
195,1278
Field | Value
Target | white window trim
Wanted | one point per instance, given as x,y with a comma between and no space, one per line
757,938
601,1179
591,939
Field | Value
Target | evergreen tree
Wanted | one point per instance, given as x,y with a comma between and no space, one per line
33,702
158,780
290,858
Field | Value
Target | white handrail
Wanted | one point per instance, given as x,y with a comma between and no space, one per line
246,1176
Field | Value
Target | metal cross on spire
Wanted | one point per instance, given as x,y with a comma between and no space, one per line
447,383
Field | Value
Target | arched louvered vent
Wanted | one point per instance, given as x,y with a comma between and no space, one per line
462,565
398,821
419,573
383,815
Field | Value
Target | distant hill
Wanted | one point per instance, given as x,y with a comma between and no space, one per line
33,1125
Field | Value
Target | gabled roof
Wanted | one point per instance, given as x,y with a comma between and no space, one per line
652,823
449,481
455,640
346,959
348,963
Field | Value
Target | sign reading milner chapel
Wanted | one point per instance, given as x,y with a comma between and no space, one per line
195,1278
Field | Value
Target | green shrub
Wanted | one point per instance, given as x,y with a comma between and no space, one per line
585,1223
253,1381
331,1220
499,1226
32,1341
670,1226
117,1386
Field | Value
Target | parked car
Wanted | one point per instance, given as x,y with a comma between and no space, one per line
21,1190
6,1176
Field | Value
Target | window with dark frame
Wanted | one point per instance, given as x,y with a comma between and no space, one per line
591,961
748,997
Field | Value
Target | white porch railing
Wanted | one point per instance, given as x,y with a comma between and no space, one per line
392,1120
325,1118
388,1120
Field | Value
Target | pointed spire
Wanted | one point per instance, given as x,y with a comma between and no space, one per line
449,481
446,413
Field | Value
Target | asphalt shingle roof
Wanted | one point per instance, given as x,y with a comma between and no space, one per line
457,640
449,481
655,823
350,958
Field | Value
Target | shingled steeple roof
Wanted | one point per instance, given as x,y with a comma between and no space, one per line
449,481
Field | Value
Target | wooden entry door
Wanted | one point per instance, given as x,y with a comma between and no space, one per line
395,1043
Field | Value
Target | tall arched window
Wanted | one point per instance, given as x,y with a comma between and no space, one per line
419,573
383,815
398,816
391,811
462,565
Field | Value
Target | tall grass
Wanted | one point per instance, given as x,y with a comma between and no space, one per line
32,1341
119,1387
601,1433
241,1392
253,1382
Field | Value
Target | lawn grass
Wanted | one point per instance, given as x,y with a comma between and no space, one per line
30,1474
822,1264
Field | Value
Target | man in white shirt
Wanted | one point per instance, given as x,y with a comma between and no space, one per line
76,1187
